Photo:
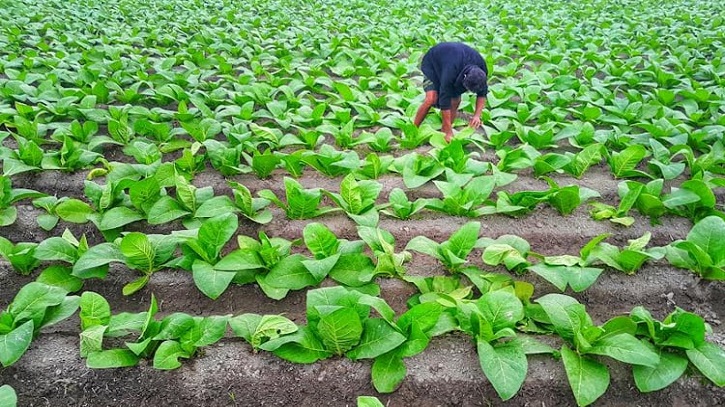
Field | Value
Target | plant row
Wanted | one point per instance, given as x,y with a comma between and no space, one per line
339,323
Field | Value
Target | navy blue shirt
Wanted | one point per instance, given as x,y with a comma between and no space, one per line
445,65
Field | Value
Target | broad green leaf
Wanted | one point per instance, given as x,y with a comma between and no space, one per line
216,232
588,378
118,217
74,211
368,401
709,234
340,330
378,338
8,398
138,251
501,309
625,348
670,367
33,299
14,344
167,355
60,276
88,265
111,359
388,372
91,340
210,281
709,359
95,310
504,365
320,240
56,248
301,346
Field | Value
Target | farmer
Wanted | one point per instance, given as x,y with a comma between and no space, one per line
451,68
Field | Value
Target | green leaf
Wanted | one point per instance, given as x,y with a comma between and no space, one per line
504,365
709,234
378,338
167,355
388,372
301,346
210,281
165,210
709,359
588,378
670,367
118,217
56,248
14,344
74,211
91,340
60,276
88,265
501,309
555,306
368,401
95,310
61,311
110,359
32,301
340,330
320,240
138,251
8,398
257,329
290,273
216,232
625,348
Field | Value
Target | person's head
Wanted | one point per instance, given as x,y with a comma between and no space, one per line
475,79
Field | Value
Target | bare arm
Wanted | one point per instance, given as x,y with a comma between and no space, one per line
476,119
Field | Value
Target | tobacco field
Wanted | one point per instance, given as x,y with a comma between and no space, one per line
227,203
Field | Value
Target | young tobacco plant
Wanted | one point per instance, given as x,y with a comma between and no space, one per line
588,377
491,321
509,250
703,251
21,255
630,258
382,244
331,162
267,262
254,209
677,339
357,199
35,306
452,252
400,207
564,199
301,203
464,195
568,270
645,197
417,169
338,323
176,336
9,196
344,261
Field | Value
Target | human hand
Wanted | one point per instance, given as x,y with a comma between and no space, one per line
475,122
449,136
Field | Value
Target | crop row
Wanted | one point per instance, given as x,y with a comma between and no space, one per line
499,313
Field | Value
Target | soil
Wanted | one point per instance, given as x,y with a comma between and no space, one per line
447,373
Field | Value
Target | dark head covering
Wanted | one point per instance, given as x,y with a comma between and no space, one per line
475,79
